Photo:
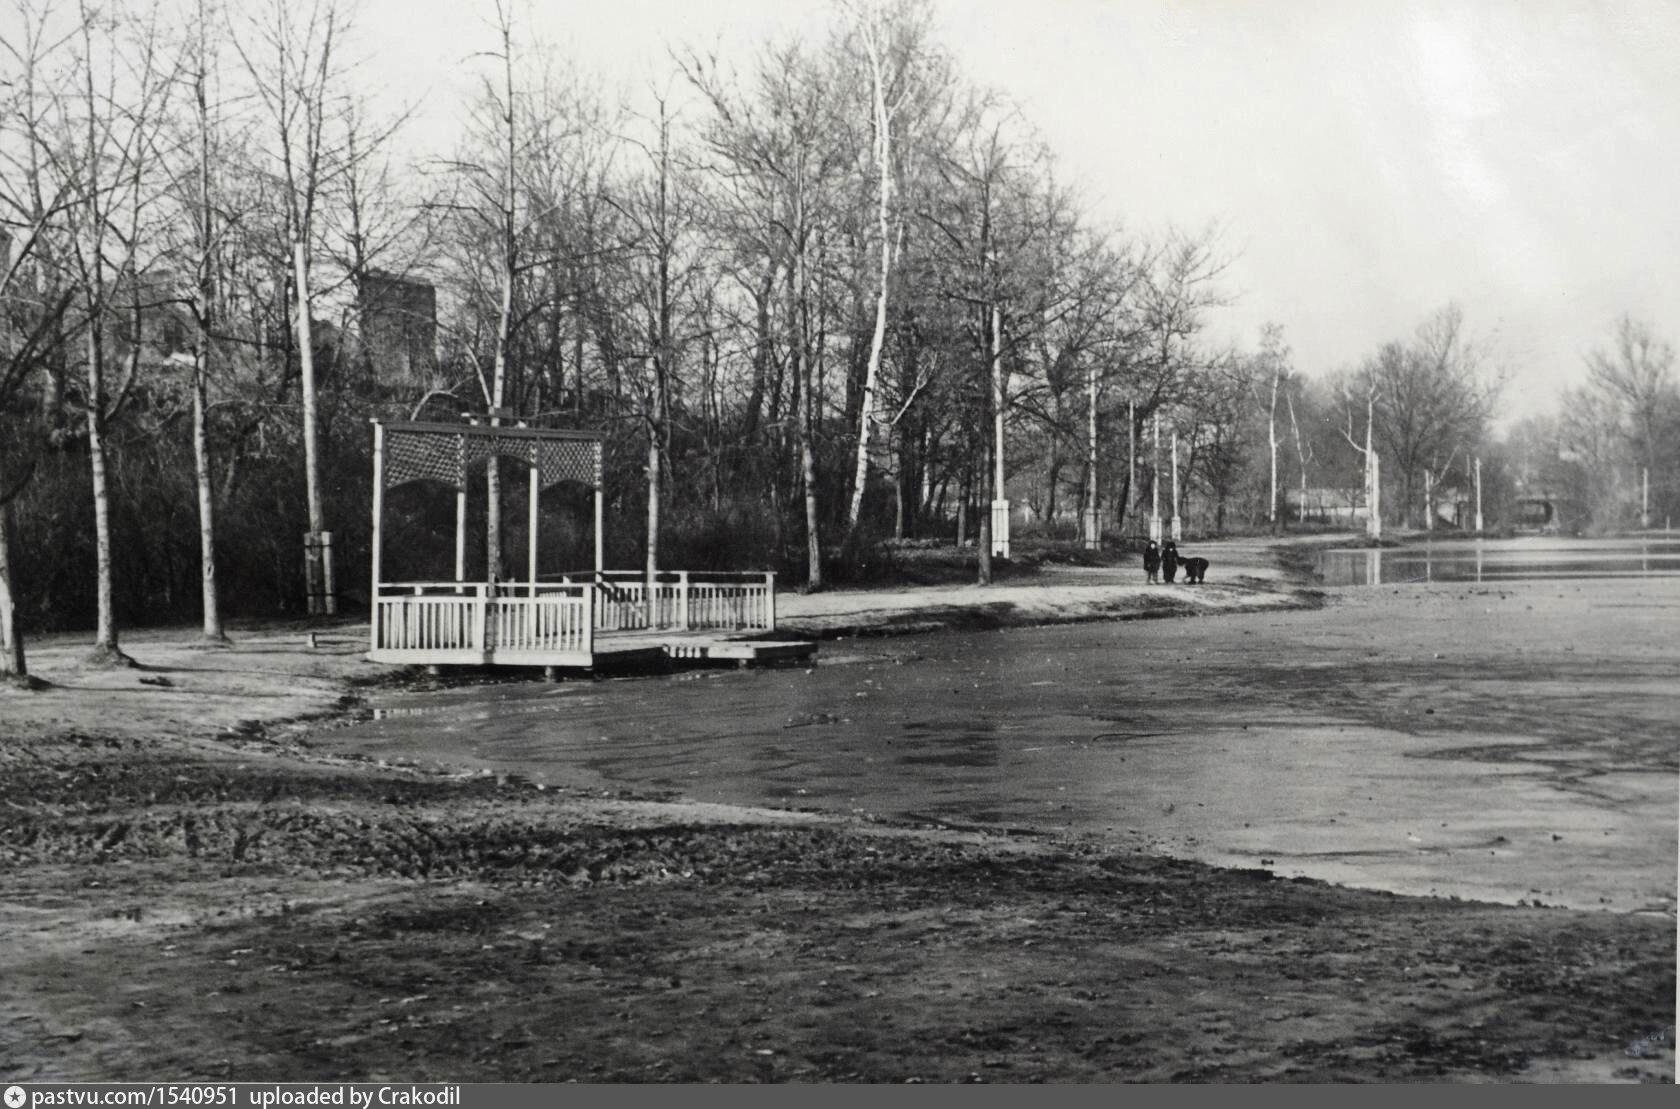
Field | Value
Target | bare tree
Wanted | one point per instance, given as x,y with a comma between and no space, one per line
1427,399
890,43
1270,370
291,56
109,130
658,219
1303,454
205,207
1391,354
1637,377
776,149
35,200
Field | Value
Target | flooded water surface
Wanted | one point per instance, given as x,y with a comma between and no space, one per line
1476,560
1519,745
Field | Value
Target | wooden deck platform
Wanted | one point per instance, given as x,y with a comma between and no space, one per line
615,650
616,619
698,646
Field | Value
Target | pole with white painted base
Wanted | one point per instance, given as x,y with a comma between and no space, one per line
1478,502
378,532
1155,486
1177,498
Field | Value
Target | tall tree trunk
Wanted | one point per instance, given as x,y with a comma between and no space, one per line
1053,480
105,645
1272,443
14,667
320,599
963,494
203,308
898,490
206,508
762,347
1300,456
807,454
984,545
883,157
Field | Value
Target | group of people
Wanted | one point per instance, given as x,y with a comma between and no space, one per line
1164,563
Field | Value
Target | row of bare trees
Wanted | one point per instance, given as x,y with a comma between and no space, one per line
830,293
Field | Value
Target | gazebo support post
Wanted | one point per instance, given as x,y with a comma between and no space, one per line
600,544
378,530
531,528
460,538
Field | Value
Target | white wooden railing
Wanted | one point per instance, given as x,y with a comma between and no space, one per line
443,620
470,621
688,600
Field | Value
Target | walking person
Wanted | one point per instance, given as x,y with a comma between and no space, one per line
1152,562
1169,561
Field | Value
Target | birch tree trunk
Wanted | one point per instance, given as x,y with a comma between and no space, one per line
105,645
1300,456
14,667
203,307
212,629
883,156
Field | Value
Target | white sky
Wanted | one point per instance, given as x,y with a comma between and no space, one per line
1365,161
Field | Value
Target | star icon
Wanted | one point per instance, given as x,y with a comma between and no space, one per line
15,1097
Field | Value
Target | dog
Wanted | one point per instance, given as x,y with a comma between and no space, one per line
1194,567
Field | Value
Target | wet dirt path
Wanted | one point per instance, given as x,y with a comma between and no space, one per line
1499,743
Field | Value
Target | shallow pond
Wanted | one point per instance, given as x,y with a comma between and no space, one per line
1476,560
1515,746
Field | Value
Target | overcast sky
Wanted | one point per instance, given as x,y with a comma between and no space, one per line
1365,162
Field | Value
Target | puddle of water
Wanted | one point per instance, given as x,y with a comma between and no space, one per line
1477,560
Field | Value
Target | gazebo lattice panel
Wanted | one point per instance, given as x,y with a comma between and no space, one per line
446,453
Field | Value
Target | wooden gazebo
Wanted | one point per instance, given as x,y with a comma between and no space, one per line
572,620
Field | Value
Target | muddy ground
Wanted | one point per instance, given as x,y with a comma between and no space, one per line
189,890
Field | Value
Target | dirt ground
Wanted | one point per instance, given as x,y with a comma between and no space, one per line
192,888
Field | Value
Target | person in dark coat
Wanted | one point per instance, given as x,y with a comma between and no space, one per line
1152,562
1169,561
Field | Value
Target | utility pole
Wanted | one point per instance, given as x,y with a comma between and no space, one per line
1373,494
1155,486
317,542
1000,499
1428,501
1131,480
1093,519
1645,498
1177,521
1478,495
